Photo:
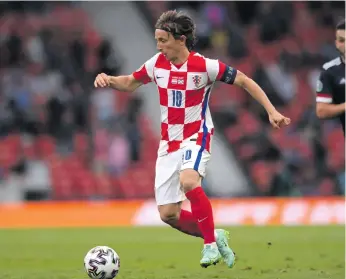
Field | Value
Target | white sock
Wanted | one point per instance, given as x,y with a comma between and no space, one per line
213,244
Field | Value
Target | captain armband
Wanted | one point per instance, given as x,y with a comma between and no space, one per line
229,75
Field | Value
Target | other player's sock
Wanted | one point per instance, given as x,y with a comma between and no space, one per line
187,224
203,213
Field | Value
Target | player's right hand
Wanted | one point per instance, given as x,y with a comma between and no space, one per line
102,80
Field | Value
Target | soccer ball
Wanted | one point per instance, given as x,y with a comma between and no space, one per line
102,262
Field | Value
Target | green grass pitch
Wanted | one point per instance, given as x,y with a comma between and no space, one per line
164,253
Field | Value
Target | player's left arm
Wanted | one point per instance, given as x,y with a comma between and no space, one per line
230,75
254,90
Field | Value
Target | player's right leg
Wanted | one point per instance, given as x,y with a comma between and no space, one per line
179,219
169,195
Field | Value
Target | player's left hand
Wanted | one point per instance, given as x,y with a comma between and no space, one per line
278,120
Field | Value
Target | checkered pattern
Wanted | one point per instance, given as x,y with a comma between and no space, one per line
184,94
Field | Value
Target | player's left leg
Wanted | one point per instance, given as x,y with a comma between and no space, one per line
169,196
202,212
215,241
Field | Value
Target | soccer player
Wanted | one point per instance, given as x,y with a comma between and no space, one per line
330,89
184,80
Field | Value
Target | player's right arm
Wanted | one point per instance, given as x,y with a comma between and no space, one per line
324,98
129,83
121,83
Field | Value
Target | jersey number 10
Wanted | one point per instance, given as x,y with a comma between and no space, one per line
177,98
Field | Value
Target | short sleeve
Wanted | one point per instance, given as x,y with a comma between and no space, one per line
219,71
145,73
324,88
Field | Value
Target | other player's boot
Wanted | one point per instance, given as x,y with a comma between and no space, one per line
226,252
211,255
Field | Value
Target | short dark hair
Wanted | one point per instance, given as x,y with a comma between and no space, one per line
178,24
341,25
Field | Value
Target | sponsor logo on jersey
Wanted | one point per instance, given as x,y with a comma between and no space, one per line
178,80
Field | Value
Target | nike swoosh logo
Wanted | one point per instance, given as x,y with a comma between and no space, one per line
201,220
158,77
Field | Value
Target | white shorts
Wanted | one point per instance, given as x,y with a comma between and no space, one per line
167,183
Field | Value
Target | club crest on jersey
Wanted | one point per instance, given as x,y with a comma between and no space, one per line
197,80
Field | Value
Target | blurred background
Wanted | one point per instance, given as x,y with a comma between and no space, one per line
60,139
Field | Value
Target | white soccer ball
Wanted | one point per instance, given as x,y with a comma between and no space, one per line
102,262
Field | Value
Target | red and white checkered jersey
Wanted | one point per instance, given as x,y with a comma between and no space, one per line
184,94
